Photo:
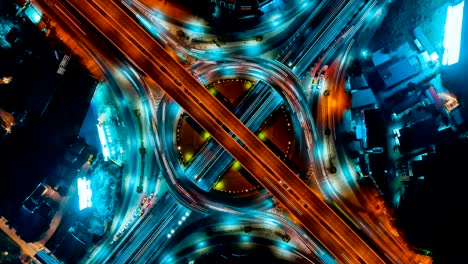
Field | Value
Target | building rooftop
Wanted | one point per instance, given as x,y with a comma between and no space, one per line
376,128
362,98
397,71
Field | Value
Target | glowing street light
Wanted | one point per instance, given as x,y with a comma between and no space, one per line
364,53
6,80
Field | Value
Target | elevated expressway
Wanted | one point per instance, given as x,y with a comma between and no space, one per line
211,161
358,13
285,90
275,28
236,234
148,237
296,197
140,48
124,90
155,241
358,205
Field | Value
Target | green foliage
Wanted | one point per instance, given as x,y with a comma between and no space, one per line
103,183
404,16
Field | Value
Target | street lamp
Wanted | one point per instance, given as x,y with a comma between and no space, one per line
6,80
364,53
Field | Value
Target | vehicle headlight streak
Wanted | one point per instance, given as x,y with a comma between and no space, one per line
276,74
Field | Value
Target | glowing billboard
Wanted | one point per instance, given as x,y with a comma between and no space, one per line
33,14
84,193
452,38
103,140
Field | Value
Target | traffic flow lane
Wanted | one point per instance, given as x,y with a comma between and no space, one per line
212,160
254,168
214,126
109,65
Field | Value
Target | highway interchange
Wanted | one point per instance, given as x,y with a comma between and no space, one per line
318,211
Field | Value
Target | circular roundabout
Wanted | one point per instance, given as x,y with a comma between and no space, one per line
204,177
223,174
268,99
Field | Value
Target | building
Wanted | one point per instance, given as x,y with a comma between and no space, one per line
455,77
380,57
396,71
421,136
363,99
74,244
242,8
406,103
425,44
358,82
45,257
32,202
376,128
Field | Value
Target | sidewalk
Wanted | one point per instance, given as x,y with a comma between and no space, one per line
55,222
29,249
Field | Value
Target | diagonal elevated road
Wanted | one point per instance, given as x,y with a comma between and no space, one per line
211,161
200,102
147,55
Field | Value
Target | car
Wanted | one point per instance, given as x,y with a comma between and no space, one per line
314,81
324,69
284,185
